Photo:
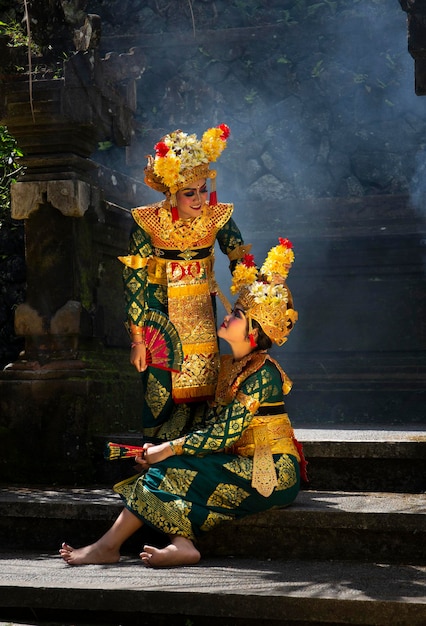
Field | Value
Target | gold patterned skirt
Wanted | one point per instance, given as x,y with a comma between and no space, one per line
189,495
191,311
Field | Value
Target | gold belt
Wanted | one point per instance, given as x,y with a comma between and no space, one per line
157,268
266,435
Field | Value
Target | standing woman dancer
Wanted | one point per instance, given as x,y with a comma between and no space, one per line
170,268
245,459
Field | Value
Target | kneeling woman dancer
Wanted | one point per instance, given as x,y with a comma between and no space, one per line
244,460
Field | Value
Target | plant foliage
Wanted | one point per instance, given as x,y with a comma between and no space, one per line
9,168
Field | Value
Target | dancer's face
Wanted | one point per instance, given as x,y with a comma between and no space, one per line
190,200
234,327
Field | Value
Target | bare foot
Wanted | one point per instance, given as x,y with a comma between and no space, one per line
89,555
180,552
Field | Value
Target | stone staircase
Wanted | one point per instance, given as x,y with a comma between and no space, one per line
350,550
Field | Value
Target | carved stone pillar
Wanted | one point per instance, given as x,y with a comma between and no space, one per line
59,277
73,379
58,124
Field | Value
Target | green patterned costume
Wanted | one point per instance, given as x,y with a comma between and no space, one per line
210,478
170,268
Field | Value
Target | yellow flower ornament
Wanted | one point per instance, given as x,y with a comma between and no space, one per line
263,294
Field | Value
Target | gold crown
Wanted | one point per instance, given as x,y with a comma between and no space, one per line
186,177
181,159
264,296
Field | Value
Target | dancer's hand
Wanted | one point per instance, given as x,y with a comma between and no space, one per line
141,458
154,454
138,356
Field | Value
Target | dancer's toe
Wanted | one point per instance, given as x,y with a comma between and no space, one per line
146,558
65,551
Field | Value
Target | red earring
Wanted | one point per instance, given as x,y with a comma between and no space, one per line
175,214
252,340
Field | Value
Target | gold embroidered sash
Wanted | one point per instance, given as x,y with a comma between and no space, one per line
266,435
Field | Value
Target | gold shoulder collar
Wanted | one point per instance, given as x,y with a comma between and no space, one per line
143,215
221,213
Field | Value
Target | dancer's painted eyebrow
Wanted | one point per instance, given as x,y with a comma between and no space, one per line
195,188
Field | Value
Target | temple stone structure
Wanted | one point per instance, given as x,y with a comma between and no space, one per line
73,378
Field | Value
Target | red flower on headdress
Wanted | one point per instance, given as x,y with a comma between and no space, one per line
225,131
285,242
161,149
248,260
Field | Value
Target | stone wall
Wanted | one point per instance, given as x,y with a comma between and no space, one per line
319,96
327,148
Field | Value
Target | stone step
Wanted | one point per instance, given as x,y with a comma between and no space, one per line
351,459
374,527
37,587
361,459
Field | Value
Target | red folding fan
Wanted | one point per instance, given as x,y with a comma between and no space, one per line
114,451
163,345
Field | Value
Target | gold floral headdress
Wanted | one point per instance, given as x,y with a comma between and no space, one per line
181,159
264,295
